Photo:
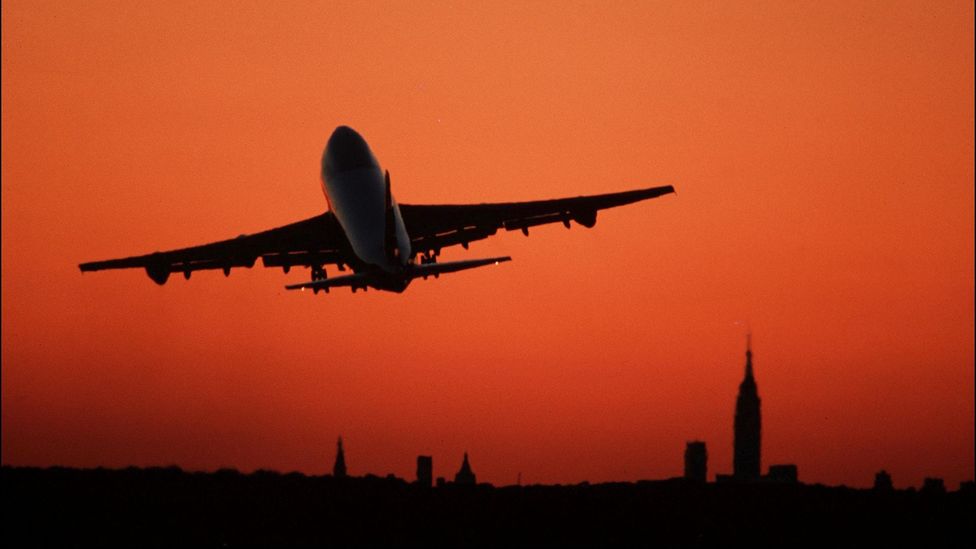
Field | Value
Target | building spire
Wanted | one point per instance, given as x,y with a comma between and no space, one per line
339,469
749,354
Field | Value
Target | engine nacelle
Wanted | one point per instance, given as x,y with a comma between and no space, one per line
586,218
158,273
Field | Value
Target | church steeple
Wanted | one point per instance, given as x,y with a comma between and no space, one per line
465,475
339,469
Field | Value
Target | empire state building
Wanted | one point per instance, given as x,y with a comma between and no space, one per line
748,426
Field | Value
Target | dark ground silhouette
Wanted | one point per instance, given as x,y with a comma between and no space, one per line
170,507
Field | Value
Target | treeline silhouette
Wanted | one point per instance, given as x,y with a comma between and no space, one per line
171,507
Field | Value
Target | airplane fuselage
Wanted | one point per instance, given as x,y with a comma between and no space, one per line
358,194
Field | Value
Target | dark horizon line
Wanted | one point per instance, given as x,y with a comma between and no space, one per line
964,485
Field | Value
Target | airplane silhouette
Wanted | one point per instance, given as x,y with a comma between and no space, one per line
386,244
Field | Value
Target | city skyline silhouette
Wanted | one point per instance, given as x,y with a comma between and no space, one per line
742,508
745,454
747,462
230,508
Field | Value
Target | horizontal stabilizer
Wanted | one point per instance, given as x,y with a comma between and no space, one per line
434,269
359,280
365,279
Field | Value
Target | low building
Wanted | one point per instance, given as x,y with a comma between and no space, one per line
696,461
933,485
787,473
882,482
425,471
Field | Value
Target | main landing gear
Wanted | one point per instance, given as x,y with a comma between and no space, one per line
428,258
318,273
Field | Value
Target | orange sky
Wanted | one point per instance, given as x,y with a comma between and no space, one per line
822,154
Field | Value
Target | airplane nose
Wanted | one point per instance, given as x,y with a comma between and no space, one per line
346,150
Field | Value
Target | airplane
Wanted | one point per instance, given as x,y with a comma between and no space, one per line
386,244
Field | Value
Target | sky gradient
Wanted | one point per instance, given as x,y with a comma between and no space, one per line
822,154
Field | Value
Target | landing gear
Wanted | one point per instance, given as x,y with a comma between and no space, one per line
318,273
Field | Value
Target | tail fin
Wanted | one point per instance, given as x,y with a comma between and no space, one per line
390,240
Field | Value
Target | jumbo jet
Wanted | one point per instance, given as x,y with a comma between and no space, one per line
387,245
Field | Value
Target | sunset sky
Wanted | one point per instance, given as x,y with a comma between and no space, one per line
822,154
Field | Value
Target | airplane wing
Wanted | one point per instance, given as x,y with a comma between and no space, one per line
311,242
438,226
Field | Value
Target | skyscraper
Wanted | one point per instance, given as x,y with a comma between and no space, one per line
748,425
339,469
